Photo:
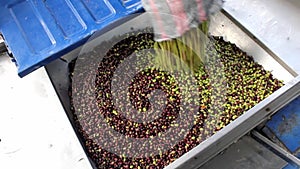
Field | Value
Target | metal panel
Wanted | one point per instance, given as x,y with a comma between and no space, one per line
275,23
247,153
277,149
34,129
232,31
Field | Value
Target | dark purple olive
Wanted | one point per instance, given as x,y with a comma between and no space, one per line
229,84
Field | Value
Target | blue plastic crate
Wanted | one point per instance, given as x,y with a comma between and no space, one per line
285,125
39,31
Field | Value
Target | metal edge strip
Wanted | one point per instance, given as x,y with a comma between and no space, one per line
277,149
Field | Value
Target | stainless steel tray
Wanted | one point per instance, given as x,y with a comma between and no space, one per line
221,25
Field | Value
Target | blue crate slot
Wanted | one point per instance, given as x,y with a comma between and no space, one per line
130,3
39,31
